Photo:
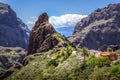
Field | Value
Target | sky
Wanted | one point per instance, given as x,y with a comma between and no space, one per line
62,13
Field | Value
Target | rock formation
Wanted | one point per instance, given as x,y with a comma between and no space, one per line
102,27
13,32
44,37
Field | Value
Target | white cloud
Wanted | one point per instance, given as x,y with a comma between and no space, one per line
32,20
66,20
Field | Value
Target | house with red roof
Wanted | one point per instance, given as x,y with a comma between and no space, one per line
111,55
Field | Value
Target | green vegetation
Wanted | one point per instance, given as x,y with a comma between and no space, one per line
84,53
60,56
62,64
59,37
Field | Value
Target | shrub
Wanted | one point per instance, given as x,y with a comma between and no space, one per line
92,62
115,69
52,62
114,72
106,61
69,49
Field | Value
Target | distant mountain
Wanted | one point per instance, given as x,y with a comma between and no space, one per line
102,27
13,32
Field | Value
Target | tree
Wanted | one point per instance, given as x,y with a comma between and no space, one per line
84,53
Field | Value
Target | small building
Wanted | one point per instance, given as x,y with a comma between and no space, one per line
111,55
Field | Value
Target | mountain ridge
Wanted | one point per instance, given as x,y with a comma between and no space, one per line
99,28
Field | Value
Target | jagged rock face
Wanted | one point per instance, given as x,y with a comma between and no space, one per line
41,37
13,32
102,27
44,37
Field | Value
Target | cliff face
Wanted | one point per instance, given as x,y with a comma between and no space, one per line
102,27
13,32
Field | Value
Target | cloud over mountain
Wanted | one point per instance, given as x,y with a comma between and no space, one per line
66,20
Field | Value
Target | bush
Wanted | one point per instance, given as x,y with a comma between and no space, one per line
104,61
69,49
52,62
114,72
92,62
115,69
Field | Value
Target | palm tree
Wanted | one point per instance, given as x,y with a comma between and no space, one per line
84,53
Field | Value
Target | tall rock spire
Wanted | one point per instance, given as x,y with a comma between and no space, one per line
44,37
41,37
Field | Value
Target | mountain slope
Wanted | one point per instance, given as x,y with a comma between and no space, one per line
102,27
13,32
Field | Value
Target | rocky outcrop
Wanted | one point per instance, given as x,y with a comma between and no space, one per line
102,27
13,32
44,37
